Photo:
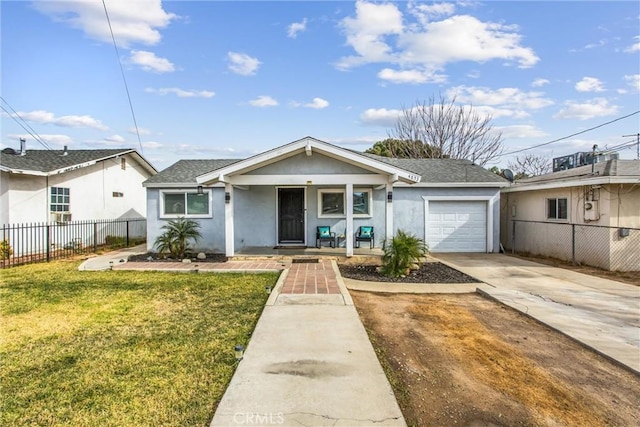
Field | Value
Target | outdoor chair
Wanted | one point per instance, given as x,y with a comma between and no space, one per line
365,234
324,234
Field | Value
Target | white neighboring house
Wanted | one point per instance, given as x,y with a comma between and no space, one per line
65,185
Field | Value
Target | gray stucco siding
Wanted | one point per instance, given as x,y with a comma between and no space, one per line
254,217
409,207
212,229
301,164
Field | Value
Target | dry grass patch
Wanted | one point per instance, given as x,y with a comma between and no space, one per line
466,360
120,348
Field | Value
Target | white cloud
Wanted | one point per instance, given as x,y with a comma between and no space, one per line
136,21
494,113
411,76
263,101
243,64
634,47
365,33
597,107
589,84
318,104
540,82
296,27
520,131
150,62
45,117
51,139
505,97
465,38
152,145
141,131
634,81
425,12
181,93
380,117
115,138
378,34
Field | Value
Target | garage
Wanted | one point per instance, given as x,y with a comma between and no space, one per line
457,226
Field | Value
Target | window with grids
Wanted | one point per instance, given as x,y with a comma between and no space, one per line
557,208
60,199
188,204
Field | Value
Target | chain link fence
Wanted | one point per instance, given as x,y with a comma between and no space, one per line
610,248
43,242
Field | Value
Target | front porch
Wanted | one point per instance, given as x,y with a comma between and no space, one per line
282,197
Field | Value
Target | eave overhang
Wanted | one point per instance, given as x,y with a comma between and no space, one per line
596,180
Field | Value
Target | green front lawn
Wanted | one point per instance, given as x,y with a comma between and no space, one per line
119,347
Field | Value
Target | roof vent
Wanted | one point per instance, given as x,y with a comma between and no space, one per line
65,152
23,146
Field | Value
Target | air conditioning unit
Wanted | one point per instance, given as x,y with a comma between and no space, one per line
60,217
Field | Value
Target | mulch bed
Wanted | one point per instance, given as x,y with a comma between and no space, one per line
430,272
154,257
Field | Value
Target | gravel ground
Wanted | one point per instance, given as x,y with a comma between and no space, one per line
430,272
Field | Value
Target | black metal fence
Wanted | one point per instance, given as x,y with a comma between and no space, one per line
610,248
43,242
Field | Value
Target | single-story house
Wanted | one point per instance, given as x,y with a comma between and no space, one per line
65,185
588,214
280,197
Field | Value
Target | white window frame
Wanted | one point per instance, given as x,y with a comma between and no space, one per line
206,193
342,191
556,218
63,204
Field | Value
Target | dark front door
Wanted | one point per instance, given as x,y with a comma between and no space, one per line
290,215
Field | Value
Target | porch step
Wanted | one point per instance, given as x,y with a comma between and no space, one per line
305,260
287,258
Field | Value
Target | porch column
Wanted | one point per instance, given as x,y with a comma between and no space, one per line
229,237
389,213
348,234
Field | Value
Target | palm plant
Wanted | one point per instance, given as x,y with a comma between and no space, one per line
175,239
402,251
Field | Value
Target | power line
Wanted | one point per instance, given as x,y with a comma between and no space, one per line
637,135
568,136
24,125
126,87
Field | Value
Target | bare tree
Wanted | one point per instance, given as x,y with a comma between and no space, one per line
530,165
452,131
402,149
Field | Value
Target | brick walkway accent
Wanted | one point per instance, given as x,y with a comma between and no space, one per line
311,278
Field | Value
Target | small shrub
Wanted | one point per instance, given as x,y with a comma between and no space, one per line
115,241
175,239
5,249
401,252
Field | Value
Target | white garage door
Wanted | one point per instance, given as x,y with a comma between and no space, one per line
457,226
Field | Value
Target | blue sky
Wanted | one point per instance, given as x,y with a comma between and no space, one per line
212,79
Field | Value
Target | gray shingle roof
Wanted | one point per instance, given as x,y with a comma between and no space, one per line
615,167
431,170
443,170
186,171
51,160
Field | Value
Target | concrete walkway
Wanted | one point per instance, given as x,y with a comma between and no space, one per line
309,362
602,314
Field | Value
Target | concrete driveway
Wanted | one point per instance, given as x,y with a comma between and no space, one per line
602,314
